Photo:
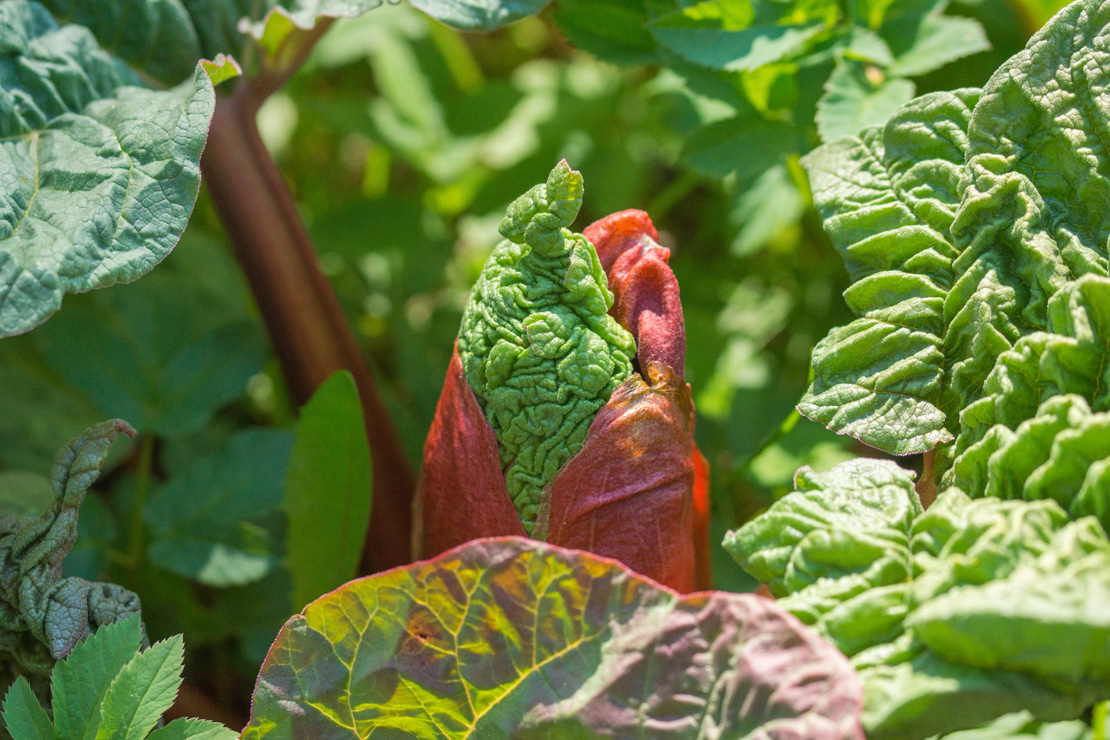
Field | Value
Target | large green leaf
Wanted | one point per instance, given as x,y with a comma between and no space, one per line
510,637
98,176
984,217
953,617
327,490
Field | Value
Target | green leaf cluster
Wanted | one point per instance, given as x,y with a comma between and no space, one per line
106,689
782,76
974,226
954,616
537,344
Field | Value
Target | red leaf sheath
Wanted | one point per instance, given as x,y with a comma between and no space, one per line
461,494
628,493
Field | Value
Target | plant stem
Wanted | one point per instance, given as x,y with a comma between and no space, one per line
136,541
305,322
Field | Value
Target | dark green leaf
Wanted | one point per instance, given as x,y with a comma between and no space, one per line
146,352
748,145
940,39
211,524
327,491
612,30
734,36
514,638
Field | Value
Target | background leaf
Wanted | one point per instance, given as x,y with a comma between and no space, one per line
508,636
215,522
327,491
479,15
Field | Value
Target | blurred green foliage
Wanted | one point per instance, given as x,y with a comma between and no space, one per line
403,141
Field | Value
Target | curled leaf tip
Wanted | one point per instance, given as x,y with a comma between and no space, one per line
537,345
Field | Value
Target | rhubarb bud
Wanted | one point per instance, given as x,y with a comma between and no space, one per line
551,424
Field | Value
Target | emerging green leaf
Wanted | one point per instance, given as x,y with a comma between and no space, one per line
538,347
953,617
514,638
99,175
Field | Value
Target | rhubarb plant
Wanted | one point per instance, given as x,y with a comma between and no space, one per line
564,405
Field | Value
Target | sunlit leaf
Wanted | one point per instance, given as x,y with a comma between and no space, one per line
509,637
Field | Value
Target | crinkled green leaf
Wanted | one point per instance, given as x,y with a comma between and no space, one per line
858,95
741,36
1042,427
214,522
79,683
515,638
888,198
537,344
46,615
953,617
327,490
1002,209
24,717
479,15
99,175
142,691
1022,726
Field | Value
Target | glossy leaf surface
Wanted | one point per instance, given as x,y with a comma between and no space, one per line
953,617
509,637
